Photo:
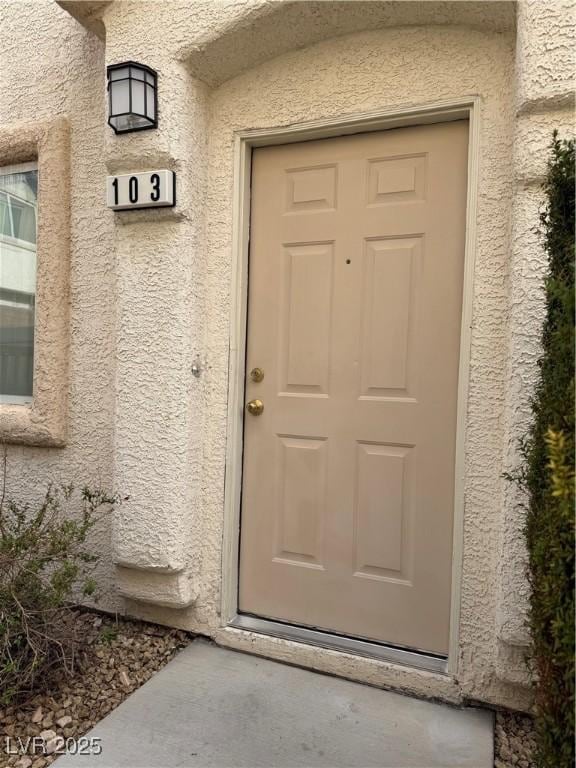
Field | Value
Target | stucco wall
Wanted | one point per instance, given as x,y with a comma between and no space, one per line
51,66
150,291
544,102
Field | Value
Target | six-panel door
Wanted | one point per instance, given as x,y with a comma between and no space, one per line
355,289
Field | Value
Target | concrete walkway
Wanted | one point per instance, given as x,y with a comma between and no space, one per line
215,707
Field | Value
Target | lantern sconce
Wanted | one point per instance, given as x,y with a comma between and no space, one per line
132,102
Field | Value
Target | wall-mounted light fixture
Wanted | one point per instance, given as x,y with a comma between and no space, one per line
132,104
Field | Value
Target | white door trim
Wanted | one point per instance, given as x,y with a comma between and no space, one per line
443,111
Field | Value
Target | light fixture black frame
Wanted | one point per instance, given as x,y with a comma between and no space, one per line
129,64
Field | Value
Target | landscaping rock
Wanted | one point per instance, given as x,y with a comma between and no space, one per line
99,683
38,716
515,743
124,679
56,743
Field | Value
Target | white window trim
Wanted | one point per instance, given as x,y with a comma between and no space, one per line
8,170
16,399
26,245
9,239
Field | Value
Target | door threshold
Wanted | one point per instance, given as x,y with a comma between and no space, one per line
394,655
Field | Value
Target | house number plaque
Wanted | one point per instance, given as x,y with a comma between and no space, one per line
152,189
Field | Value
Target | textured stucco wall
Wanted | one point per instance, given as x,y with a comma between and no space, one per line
150,291
545,55
49,67
544,101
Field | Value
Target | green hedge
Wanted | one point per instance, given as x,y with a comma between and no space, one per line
549,477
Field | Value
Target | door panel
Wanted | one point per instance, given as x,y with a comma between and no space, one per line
355,285
388,304
302,502
306,315
381,534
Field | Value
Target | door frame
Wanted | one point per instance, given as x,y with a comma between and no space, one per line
245,140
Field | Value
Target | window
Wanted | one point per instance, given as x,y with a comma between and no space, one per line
18,211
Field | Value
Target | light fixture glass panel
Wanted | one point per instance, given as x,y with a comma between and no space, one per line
129,122
149,78
150,102
120,97
18,208
136,73
118,74
138,97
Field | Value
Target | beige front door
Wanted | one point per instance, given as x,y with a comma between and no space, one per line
355,291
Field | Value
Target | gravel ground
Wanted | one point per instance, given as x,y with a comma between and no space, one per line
121,655
514,741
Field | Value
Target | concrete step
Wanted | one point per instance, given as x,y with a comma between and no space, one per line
215,707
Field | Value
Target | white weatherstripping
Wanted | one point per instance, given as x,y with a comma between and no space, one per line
323,639
443,111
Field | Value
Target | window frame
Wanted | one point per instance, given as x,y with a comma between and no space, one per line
8,170
44,145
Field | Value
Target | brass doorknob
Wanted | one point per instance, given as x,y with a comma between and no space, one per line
255,407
